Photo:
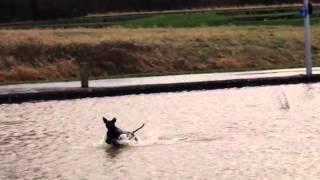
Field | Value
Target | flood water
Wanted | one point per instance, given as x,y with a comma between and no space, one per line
248,133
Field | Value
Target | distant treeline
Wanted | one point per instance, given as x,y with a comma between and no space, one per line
141,5
41,9
11,10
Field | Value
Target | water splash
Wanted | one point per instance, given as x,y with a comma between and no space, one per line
284,102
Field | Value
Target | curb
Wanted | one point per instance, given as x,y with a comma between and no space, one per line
75,93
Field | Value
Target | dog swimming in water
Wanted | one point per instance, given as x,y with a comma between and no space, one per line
115,136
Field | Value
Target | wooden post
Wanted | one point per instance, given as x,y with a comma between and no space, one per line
84,75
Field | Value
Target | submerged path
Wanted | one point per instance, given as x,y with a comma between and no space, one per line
125,86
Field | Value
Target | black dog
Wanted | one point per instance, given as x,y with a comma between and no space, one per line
114,134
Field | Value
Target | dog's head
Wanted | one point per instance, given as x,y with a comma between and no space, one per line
110,124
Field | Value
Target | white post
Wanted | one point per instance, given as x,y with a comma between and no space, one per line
307,38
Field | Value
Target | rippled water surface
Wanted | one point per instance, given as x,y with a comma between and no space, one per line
248,133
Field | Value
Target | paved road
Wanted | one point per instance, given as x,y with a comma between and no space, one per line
21,88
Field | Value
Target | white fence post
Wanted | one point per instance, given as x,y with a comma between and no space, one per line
307,38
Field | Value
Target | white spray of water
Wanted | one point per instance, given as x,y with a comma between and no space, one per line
284,102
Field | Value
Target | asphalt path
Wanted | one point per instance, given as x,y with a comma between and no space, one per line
157,84
155,80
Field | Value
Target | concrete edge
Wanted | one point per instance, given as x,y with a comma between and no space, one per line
75,93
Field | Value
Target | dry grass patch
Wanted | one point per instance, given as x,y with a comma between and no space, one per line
55,54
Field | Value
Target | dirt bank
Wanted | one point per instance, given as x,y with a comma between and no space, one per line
55,54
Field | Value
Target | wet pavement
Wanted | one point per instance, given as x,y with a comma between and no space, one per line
147,85
155,80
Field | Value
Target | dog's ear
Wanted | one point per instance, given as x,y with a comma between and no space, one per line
105,120
114,120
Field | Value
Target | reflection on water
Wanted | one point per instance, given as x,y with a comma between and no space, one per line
114,152
248,133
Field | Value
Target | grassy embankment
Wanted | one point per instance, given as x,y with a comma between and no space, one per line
274,15
28,55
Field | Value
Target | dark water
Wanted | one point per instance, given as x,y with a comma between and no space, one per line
248,133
